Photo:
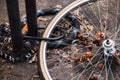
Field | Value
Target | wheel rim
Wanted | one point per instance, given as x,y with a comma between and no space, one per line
47,34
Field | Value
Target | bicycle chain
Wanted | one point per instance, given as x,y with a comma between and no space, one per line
43,12
27,52
71,36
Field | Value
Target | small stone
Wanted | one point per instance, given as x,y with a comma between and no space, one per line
89,54
118,54
83,58
100,66
93,78
101,34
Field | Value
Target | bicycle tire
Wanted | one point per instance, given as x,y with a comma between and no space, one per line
41,64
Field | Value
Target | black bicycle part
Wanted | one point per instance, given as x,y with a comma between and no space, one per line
71,36
43,12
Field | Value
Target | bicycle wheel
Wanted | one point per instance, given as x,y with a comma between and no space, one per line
94,54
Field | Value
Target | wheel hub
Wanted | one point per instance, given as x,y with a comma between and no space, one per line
109,47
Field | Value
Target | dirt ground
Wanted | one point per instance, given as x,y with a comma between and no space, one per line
24,70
